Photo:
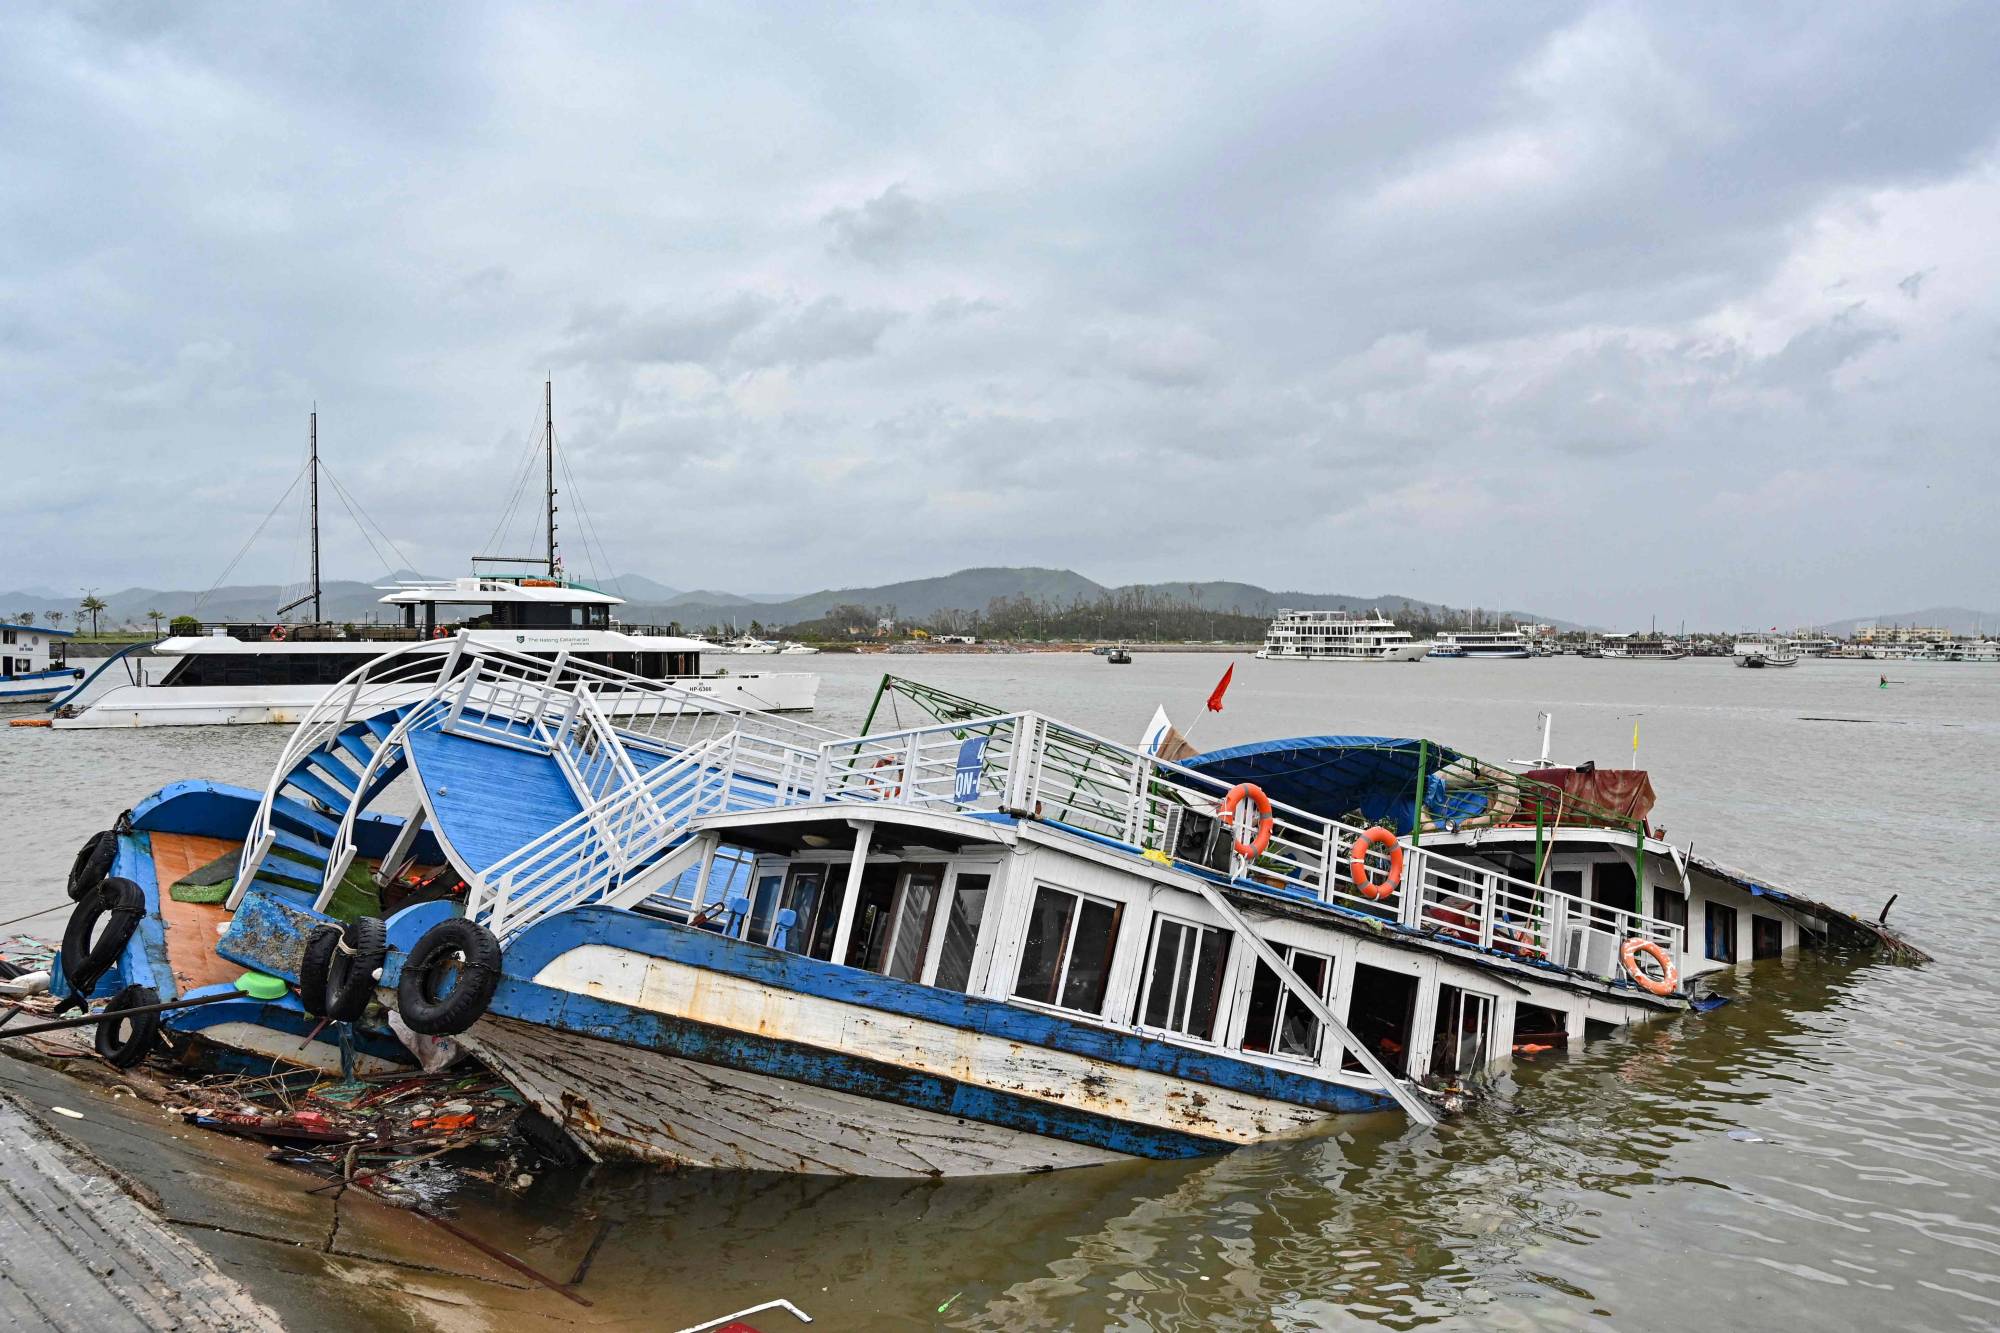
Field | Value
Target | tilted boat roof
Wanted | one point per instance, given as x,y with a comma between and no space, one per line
1331,776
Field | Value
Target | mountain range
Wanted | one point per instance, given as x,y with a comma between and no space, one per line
649,601
966,591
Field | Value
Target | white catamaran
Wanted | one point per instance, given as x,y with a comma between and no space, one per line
1483,643
1338,636
273,672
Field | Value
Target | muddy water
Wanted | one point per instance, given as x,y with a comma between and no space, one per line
1824,1153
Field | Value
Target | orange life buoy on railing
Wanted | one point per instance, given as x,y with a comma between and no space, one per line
878,784
440,632
1358,863
1670,976
277,633
1265,823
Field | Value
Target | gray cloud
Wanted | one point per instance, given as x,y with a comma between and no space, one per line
1373,299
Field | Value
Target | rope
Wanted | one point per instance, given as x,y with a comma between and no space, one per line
352,505
230,567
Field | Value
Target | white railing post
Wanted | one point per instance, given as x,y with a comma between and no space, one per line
1410,910
1020,762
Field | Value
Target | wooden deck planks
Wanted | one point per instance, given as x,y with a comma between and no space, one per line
190,928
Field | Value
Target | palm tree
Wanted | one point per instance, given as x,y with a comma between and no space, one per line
90,606
156,617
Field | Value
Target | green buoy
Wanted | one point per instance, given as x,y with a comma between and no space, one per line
261,986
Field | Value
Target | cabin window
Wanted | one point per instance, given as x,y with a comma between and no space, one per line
1767,936
802,899
1536,1026
1721,933
1278,1022
1671,906
1381,1010
1184,978
1461,1041
764,906
7,636
892,924
961,931
1066,959
1613,888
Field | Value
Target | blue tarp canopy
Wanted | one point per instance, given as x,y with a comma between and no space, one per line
1332,776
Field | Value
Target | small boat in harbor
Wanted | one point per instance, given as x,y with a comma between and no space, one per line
34,666
1118,656
1759,651
992,944
1337,636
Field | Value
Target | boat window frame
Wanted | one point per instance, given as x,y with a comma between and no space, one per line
984,934
1223,991
1328,950
1068,956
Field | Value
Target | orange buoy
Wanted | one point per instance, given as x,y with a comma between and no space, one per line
1250,791
1358,863
1670,976
29,722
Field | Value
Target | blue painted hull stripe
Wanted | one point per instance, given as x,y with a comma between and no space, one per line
650,936
875,1080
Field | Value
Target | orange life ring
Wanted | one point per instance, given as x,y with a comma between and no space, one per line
1358,863
277,634
876,784
1670,976
439,632
1265,823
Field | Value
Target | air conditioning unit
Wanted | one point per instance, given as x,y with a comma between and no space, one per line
1589,950
1196,838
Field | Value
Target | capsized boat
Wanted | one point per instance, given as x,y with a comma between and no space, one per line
993,943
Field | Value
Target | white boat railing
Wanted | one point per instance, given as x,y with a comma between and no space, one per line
1030,765
597,850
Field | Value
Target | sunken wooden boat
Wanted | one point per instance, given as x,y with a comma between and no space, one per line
992,943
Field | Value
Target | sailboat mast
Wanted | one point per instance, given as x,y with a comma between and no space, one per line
312,467
549,440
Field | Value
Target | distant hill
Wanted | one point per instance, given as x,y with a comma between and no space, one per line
1957,619
968,591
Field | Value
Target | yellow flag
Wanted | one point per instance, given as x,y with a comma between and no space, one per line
1635,738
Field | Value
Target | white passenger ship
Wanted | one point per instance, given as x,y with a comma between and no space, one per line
1338,636
1627,648
33,665
1756,650
1483,643
238,674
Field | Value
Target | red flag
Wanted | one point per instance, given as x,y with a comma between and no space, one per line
1215,700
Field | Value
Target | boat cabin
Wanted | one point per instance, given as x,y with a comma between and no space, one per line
34,663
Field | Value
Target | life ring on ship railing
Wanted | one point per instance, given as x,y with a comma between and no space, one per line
1670,976
440,632
881,786
449,977
1250,791
1357,863
277,634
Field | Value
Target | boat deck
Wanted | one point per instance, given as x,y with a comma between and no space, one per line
190,928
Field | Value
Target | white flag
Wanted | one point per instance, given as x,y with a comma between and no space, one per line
1156,731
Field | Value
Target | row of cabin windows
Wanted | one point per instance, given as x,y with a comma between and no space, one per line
314,668
1067,953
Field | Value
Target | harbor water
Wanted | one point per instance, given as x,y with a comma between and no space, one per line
1824,1153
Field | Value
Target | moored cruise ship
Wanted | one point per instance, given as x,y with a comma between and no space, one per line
1338,636
1483,643
238,674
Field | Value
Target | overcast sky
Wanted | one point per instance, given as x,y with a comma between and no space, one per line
1608,311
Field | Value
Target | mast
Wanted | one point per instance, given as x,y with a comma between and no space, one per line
549,439
312,466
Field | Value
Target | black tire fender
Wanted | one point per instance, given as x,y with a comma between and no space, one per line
351,967
314,963
449,978
93,862
124,1042
86,954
